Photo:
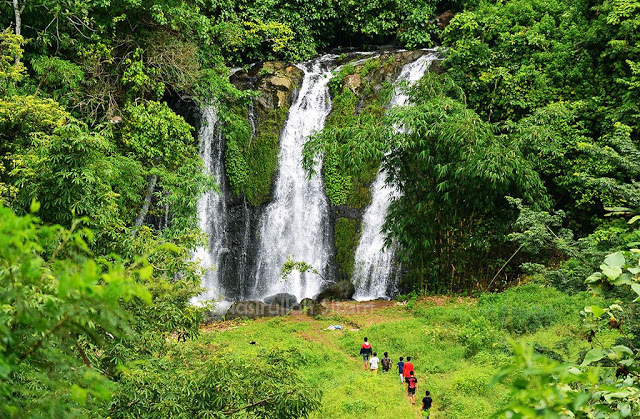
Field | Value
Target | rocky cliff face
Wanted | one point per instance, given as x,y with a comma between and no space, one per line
371,83
276,84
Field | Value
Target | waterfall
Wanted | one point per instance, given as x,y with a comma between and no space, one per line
296,222
212,210
373,267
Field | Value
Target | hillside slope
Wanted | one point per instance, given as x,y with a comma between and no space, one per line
457,347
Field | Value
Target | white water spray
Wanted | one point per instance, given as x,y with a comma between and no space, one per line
296,222
211,207
373,267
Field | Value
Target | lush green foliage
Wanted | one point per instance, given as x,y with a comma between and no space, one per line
189,382
557,77
455,348
549,388
450,168
61,309
522,158
262,156
342,187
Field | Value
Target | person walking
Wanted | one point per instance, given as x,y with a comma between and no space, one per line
386,362
366,350
412,382
400,369
408,368
426,405
374,363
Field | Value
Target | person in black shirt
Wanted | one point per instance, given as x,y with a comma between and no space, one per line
426,405
411,386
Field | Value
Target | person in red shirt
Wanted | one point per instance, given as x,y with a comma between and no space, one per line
407,369
366,350
411,386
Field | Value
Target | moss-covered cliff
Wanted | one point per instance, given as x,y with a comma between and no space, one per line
360,93
252,157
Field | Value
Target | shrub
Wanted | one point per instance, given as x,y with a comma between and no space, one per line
478,334
527,308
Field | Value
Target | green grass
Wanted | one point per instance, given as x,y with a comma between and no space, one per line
455,348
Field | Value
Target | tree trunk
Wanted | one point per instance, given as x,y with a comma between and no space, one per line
153,179
17,11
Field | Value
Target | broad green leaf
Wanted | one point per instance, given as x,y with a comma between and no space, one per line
622,349
617,395
624,409
597,311
615,259
624,279
593,355
580,399
34,207
611,272
595,277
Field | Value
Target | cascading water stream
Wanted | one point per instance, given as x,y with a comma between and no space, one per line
211,206
296,223
373,267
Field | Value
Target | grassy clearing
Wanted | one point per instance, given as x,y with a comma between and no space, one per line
457,347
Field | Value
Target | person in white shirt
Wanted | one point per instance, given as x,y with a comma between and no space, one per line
373,362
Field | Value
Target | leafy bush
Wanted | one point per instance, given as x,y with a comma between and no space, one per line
472,381
550,388
61,310
189,382
527,308
477,335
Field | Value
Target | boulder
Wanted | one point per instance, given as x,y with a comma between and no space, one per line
342,290
275,80
279,82
436,66
312,308
252,309
283,299
317,309
353,82
306,302
443,20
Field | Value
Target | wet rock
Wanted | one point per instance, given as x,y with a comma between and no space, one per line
283,299
353,82
444,19
279,82
276,81
436,67
317,309
342,290
252,309
313,308
306,302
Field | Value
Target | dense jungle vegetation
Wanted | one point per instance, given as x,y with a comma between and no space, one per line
523,150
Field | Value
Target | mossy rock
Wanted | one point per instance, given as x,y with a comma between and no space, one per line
283,299
342,290
347,236
256,157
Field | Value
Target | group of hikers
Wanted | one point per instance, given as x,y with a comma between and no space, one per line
405,369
